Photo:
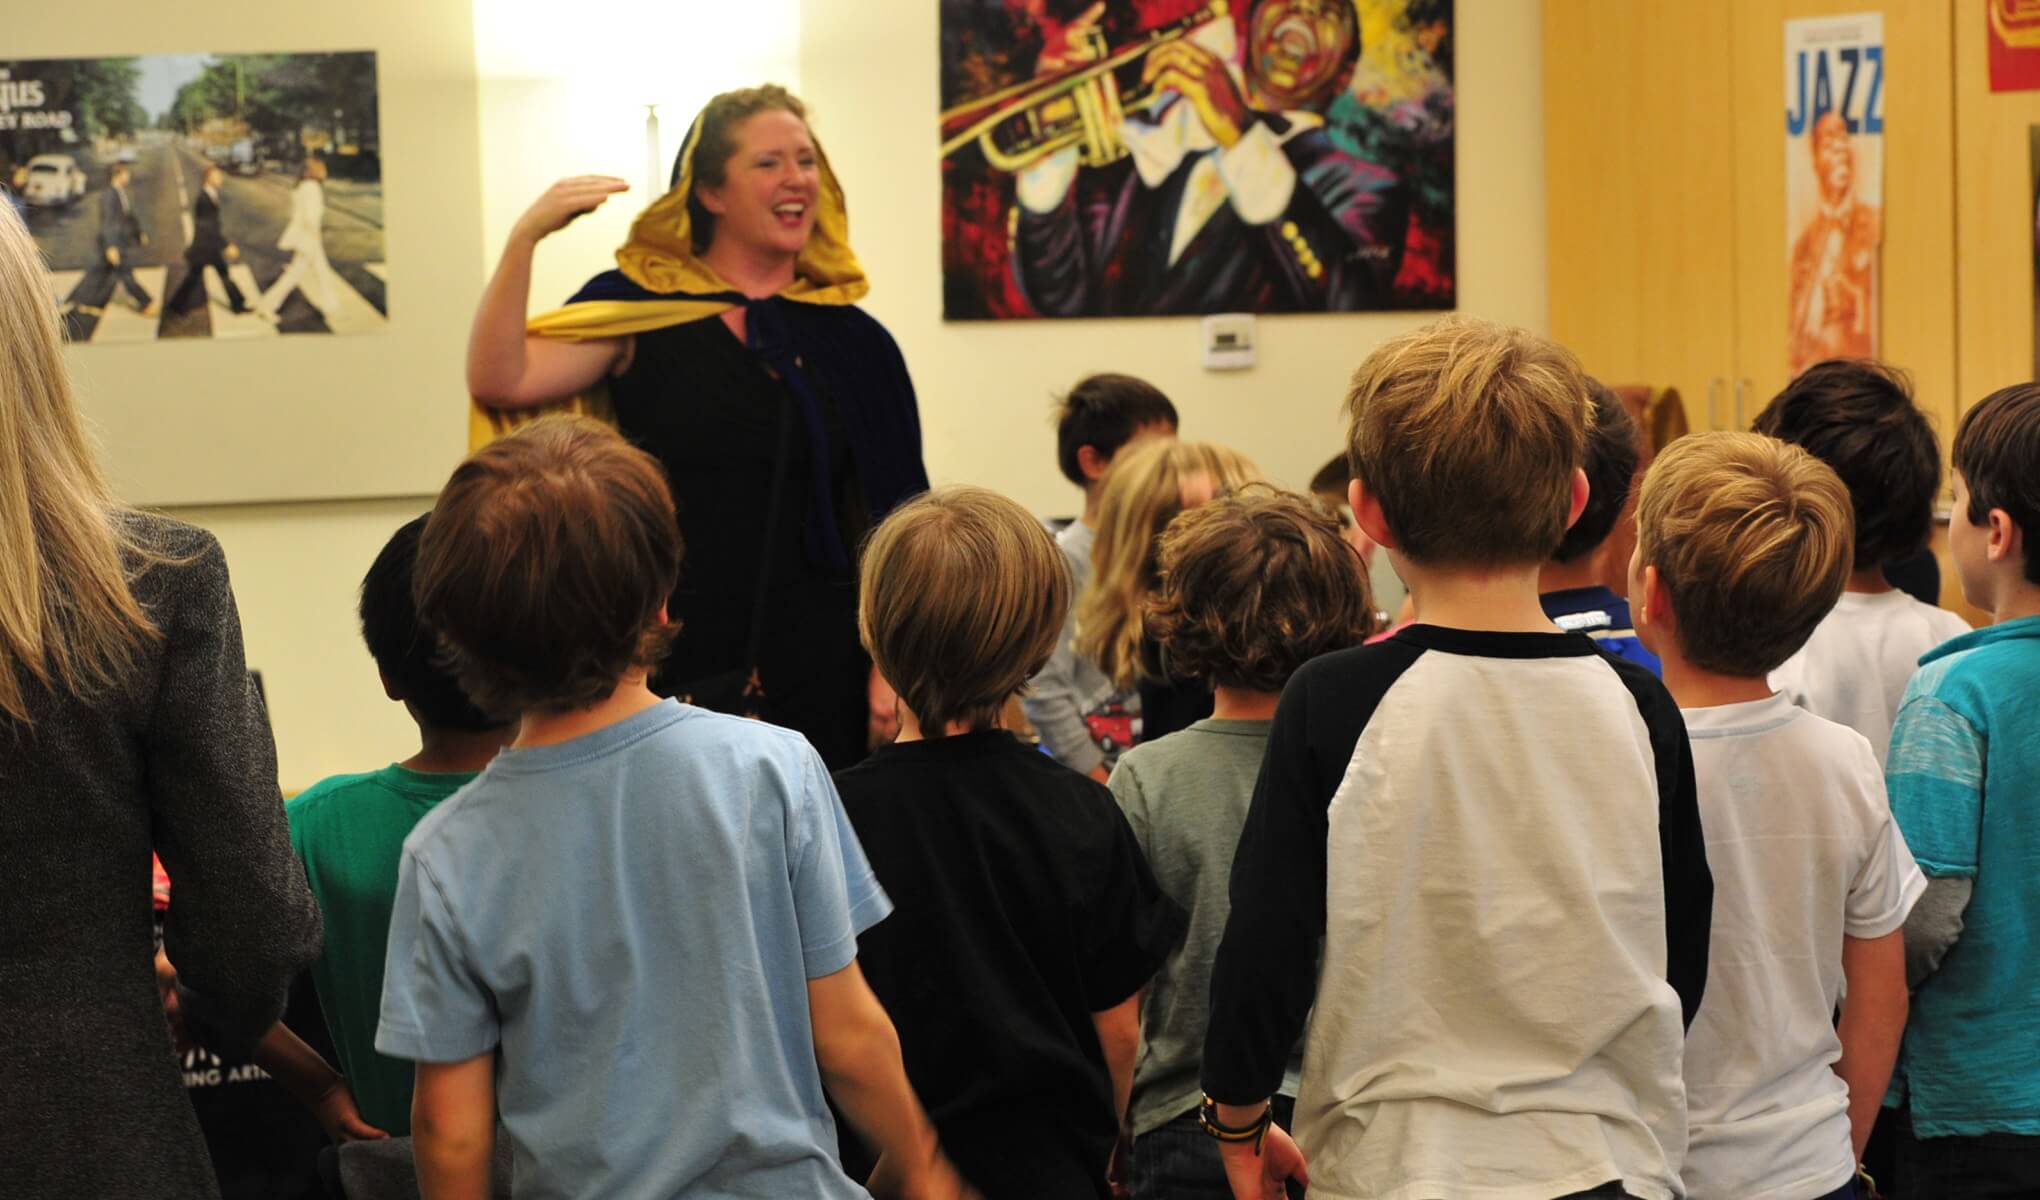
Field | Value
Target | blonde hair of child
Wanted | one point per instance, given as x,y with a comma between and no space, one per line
1468,434
1752,538
961,599
1144,491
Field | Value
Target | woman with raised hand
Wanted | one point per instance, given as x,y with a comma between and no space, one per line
730,347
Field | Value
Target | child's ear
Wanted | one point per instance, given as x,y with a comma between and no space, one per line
1368,516
388,688
1651,602
1092,464
2005,541
1580,491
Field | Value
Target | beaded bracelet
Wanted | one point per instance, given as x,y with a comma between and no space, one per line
1254,1131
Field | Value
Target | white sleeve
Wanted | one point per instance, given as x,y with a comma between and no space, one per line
1258,175
1041,187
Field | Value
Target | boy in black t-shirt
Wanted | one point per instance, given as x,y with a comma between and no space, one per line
1025,920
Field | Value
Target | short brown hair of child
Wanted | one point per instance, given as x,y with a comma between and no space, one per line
1997,450
1104,412
546,566
1254,585
1858,417
1752,538
1613,451
961,598
1468,433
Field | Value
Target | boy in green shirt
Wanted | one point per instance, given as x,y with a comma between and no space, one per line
350,829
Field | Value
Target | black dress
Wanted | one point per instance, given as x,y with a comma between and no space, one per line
710,411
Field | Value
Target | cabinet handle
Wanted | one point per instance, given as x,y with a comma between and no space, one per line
1714,387
1741,385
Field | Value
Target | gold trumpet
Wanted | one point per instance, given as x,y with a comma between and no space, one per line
1018,126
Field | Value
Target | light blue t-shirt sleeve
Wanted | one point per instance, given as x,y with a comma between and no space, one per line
835,895
1934,774
433,1009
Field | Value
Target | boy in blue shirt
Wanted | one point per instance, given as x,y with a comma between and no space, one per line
1964,776
632,938
1573,586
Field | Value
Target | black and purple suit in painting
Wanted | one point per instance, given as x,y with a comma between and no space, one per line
1284,221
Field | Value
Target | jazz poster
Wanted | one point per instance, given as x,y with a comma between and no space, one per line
2033,141
229,196
1834,185
1105,158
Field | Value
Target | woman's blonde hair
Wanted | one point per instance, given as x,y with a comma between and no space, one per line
68,619
1143,493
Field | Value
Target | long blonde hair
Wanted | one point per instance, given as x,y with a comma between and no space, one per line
68,619
1143,493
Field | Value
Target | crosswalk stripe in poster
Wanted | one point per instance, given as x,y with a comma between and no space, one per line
1834,185
225,196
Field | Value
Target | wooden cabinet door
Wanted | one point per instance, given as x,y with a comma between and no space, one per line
1917,264
1639,194
1994,260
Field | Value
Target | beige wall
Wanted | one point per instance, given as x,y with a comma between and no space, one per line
296,570
869,71
207,422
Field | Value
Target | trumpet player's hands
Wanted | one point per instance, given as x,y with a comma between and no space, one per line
1074,48
1199,76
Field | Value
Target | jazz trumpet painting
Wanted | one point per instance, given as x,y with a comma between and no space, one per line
1158,157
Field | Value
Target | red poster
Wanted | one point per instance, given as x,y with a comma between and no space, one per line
2014,45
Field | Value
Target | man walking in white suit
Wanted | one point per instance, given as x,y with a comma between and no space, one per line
308,272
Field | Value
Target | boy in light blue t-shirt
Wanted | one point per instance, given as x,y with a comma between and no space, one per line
1964,776
633,936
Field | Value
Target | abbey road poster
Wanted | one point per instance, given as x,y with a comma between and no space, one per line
1834,185
201,195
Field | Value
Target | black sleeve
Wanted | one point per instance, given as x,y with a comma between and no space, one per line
1339,243
1051,259
1128,926
1689,885
109,221
1265,975
241,922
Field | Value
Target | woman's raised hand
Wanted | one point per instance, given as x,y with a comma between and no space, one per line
565,200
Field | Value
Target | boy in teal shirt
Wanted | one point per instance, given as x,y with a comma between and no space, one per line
350,829
1964,776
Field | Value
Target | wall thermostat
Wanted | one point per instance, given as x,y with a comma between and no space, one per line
1228,341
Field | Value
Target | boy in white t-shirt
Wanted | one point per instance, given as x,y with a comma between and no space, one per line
1743,542
1858,417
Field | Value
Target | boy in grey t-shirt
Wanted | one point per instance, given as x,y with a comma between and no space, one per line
1252,587
633,937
